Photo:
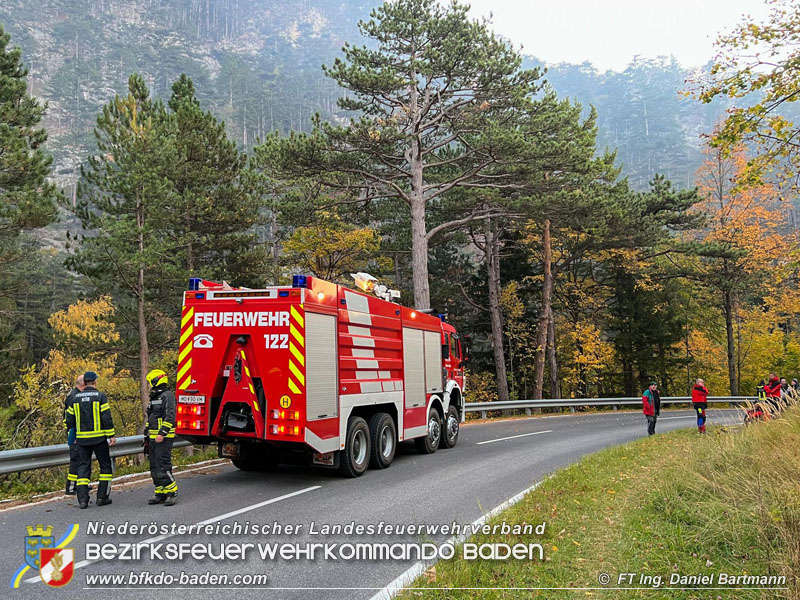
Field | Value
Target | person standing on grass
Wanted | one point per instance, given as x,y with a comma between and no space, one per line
651,406
700,403
773,390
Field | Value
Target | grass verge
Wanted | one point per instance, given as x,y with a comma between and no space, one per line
727,502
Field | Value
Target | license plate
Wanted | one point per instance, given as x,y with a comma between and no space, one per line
183,399
323,459
231,450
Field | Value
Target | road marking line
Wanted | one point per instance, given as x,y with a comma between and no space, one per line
228,515
668,418
511,437
418,568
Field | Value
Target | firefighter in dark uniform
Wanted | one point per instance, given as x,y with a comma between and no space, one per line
90,415
72,474
159,435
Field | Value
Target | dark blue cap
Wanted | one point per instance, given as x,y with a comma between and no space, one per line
89,376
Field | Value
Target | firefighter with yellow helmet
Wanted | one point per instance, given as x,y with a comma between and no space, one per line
159,435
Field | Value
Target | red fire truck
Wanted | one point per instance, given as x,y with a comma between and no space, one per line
339,374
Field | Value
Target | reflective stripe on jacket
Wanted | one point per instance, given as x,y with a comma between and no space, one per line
161,413
90,415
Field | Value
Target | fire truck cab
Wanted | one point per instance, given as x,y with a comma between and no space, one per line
338,374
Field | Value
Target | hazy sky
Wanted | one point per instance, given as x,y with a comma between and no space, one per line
610,32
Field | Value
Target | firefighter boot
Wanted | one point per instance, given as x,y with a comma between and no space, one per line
157,499
83,496
171,499
103,501
71,488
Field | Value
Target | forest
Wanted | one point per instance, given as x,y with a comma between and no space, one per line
590,232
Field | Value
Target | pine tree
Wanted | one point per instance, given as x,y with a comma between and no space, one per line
217,207
27,199
125,199
433,104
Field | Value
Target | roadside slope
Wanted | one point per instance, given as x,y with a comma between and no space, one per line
727,502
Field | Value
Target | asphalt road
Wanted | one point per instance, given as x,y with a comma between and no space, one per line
492,462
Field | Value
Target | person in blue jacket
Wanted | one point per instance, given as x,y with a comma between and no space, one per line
72,474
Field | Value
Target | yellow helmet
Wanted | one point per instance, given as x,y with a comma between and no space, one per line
156,377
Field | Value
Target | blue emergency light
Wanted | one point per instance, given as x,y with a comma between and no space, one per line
298,281
194,283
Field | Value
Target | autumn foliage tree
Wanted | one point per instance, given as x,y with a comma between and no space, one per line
745,237
84,335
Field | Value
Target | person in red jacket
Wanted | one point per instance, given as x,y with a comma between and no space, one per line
773,390
700,404
651,406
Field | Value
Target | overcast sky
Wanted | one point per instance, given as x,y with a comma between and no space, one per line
609,33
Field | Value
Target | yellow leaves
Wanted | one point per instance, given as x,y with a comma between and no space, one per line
84,332
333,251
87,321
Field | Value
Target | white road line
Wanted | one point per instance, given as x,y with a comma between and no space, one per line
228,515
418,568
668,418
511,437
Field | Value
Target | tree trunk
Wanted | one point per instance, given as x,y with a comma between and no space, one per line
496,317
727,308
419,255
552,359
544,314
144,348
419,231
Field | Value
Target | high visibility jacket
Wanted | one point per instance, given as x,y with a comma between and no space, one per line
90,415
161,413
67,403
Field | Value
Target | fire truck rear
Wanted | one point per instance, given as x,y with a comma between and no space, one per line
337,375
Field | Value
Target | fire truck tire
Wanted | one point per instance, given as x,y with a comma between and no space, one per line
244,464
450,428
355,456
430,443
384,440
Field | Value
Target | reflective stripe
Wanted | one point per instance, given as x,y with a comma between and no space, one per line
71,410
105,477
172,487
104,407
83,481
71,477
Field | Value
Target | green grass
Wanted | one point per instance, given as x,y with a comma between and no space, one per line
674,503
26,485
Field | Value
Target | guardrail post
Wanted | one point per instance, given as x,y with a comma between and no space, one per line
528,411
483,414
572,409
615,407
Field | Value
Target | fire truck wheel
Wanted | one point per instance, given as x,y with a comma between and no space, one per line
244,464
384,440
430,443
451,425
355,456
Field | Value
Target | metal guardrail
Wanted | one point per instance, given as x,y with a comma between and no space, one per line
39,457
528,405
